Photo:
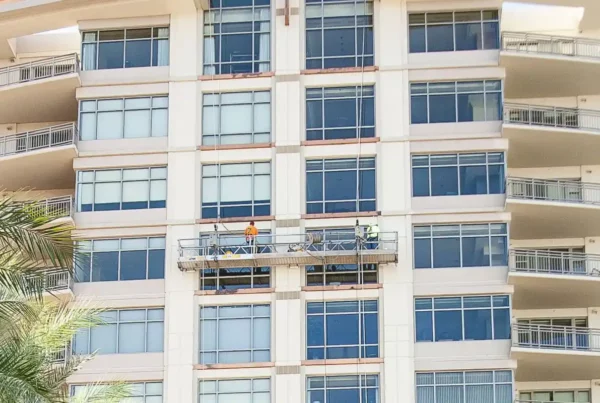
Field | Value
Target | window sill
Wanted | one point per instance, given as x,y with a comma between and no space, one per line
235,366
340,70
341,287
234,219
343,361
235,76
230,292
341,215
309,143
235,146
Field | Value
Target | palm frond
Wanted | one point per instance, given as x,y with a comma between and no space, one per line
102,393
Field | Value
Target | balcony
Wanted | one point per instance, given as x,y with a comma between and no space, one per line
56,282
539,135
571,64
555,353
42,158
40,91
543,209
57,207
269,250
557,279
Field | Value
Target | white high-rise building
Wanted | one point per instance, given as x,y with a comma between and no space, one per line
467,131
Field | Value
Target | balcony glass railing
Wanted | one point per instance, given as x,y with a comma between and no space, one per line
548,262
53,136
555,337
38,70
562,191
524,42
549,116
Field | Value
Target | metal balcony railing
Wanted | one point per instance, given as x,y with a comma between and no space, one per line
562,191
55,280
54,207
550,116
53,136
548,262
38,70
524,42
555,337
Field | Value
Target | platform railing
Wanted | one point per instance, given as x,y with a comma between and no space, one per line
40,69
562,191
54,207
524,42
550,262
551,116
534,336
53,136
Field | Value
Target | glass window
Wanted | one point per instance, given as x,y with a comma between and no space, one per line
120,259
460,101
236,190
122,189
340,113
458,174
338,274
481,317
342,329
143,392
465,387
256,390
235,278
237,37
124,48
109,119
339,33
460,245
236,118
453,31
123,332
577,396
235,334
339,186
344,388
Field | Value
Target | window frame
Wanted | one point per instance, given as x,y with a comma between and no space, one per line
72,388
152,40
458,165
496,373
362,381
252,392
255,273
323,271
575,392
462,310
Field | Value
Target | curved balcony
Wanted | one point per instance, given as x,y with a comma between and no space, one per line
539,135
42,158
555,353
543,208
557,279
270,250
40,91
571,64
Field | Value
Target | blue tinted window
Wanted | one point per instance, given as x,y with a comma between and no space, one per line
345,388
235,278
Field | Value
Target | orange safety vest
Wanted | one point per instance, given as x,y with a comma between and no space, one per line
251,230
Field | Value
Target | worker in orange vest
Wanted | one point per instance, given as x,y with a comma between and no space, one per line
251,232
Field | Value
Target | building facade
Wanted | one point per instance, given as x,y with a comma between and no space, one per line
467,131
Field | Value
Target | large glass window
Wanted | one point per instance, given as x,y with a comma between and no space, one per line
342,329
123,332
235,334
340,113
237,37
455,101
345,388
339,33
235,391
236,190
338,274
236,118
481,317
143,392
454,31
120,259
458,174
124,48
235,278
118,118
460,245
578,396
122,189
341,185
465,387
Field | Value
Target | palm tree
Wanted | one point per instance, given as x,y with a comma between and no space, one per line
34,329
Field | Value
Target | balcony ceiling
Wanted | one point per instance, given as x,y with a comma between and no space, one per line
536,365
